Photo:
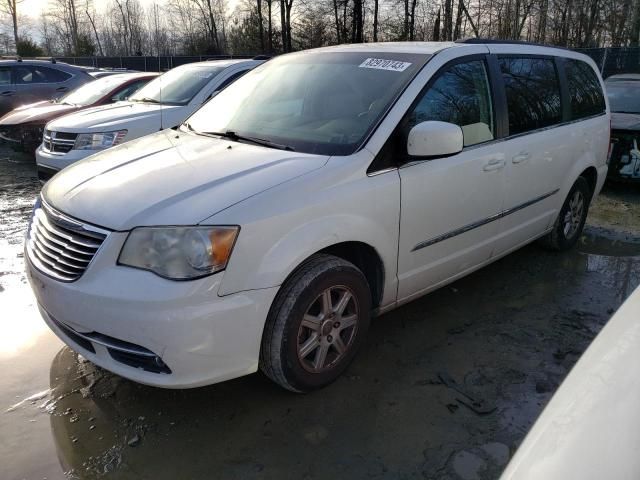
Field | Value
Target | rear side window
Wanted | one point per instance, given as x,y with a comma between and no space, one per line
26,74
533,93
460,95
584,90
5,76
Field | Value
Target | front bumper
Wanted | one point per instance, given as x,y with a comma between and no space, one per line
45,173
200,337
58,161
624,162
22,137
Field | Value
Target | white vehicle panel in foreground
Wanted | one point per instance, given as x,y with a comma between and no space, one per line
589,430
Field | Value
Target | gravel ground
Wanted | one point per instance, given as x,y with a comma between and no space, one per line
446,387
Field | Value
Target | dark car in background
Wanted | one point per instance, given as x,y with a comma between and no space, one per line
28,81
624,98
23,126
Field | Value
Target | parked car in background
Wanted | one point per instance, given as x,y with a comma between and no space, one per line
163,103
28,81
623,77
23,127
589,430
105,72
624,98
265,231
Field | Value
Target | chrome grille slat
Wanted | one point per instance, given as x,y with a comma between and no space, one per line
60,255
67,235
66,241
52,239
60,246
52,263
58,142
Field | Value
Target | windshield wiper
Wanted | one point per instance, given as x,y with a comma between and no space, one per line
231,135
144,100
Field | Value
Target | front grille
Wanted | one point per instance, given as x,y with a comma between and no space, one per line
59,246
10,133
58,142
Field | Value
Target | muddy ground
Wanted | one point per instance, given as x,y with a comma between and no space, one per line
446,387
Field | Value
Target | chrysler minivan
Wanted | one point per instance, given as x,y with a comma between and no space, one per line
321,188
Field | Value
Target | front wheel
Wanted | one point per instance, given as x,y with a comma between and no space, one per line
316,324
570,222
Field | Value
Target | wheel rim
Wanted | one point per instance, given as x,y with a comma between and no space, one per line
573,216
328,329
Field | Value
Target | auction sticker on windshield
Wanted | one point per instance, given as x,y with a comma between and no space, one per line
383,64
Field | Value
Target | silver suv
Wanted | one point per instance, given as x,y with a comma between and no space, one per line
28,81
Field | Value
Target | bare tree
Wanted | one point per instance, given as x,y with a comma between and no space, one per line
10,8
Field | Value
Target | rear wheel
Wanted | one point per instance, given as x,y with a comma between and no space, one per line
316,324
573,214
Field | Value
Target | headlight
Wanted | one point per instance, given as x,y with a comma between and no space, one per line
99,141
179,253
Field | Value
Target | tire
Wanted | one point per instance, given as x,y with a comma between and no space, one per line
570,222
291,355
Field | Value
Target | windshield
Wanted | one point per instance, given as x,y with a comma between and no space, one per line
91,92
624,98
177,86
319,102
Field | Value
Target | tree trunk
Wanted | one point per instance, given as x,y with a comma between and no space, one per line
260,26
375,20
456,31
412,23
436,28
270,27
283,26
337,18
405,32
289,4
95,32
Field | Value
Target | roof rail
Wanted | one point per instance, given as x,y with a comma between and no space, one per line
50,59
11,57
262,57
477,40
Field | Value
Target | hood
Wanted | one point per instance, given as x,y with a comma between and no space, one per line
40,112
113,116
625,121
170,178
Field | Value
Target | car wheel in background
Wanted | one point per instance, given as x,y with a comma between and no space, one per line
570,222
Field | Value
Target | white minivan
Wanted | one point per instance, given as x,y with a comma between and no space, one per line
321,188
163,103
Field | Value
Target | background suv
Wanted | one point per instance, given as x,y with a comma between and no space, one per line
28,81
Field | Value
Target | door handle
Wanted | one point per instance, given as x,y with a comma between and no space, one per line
521,157
7,93
62,89
495,164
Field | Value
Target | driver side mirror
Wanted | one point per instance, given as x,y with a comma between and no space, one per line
434,139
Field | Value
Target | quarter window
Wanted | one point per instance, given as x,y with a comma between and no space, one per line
5,76
26,74
584,90
533,93
460,95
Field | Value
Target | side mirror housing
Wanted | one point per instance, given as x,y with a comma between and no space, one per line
434,139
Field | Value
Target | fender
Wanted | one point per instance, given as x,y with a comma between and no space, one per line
338,205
